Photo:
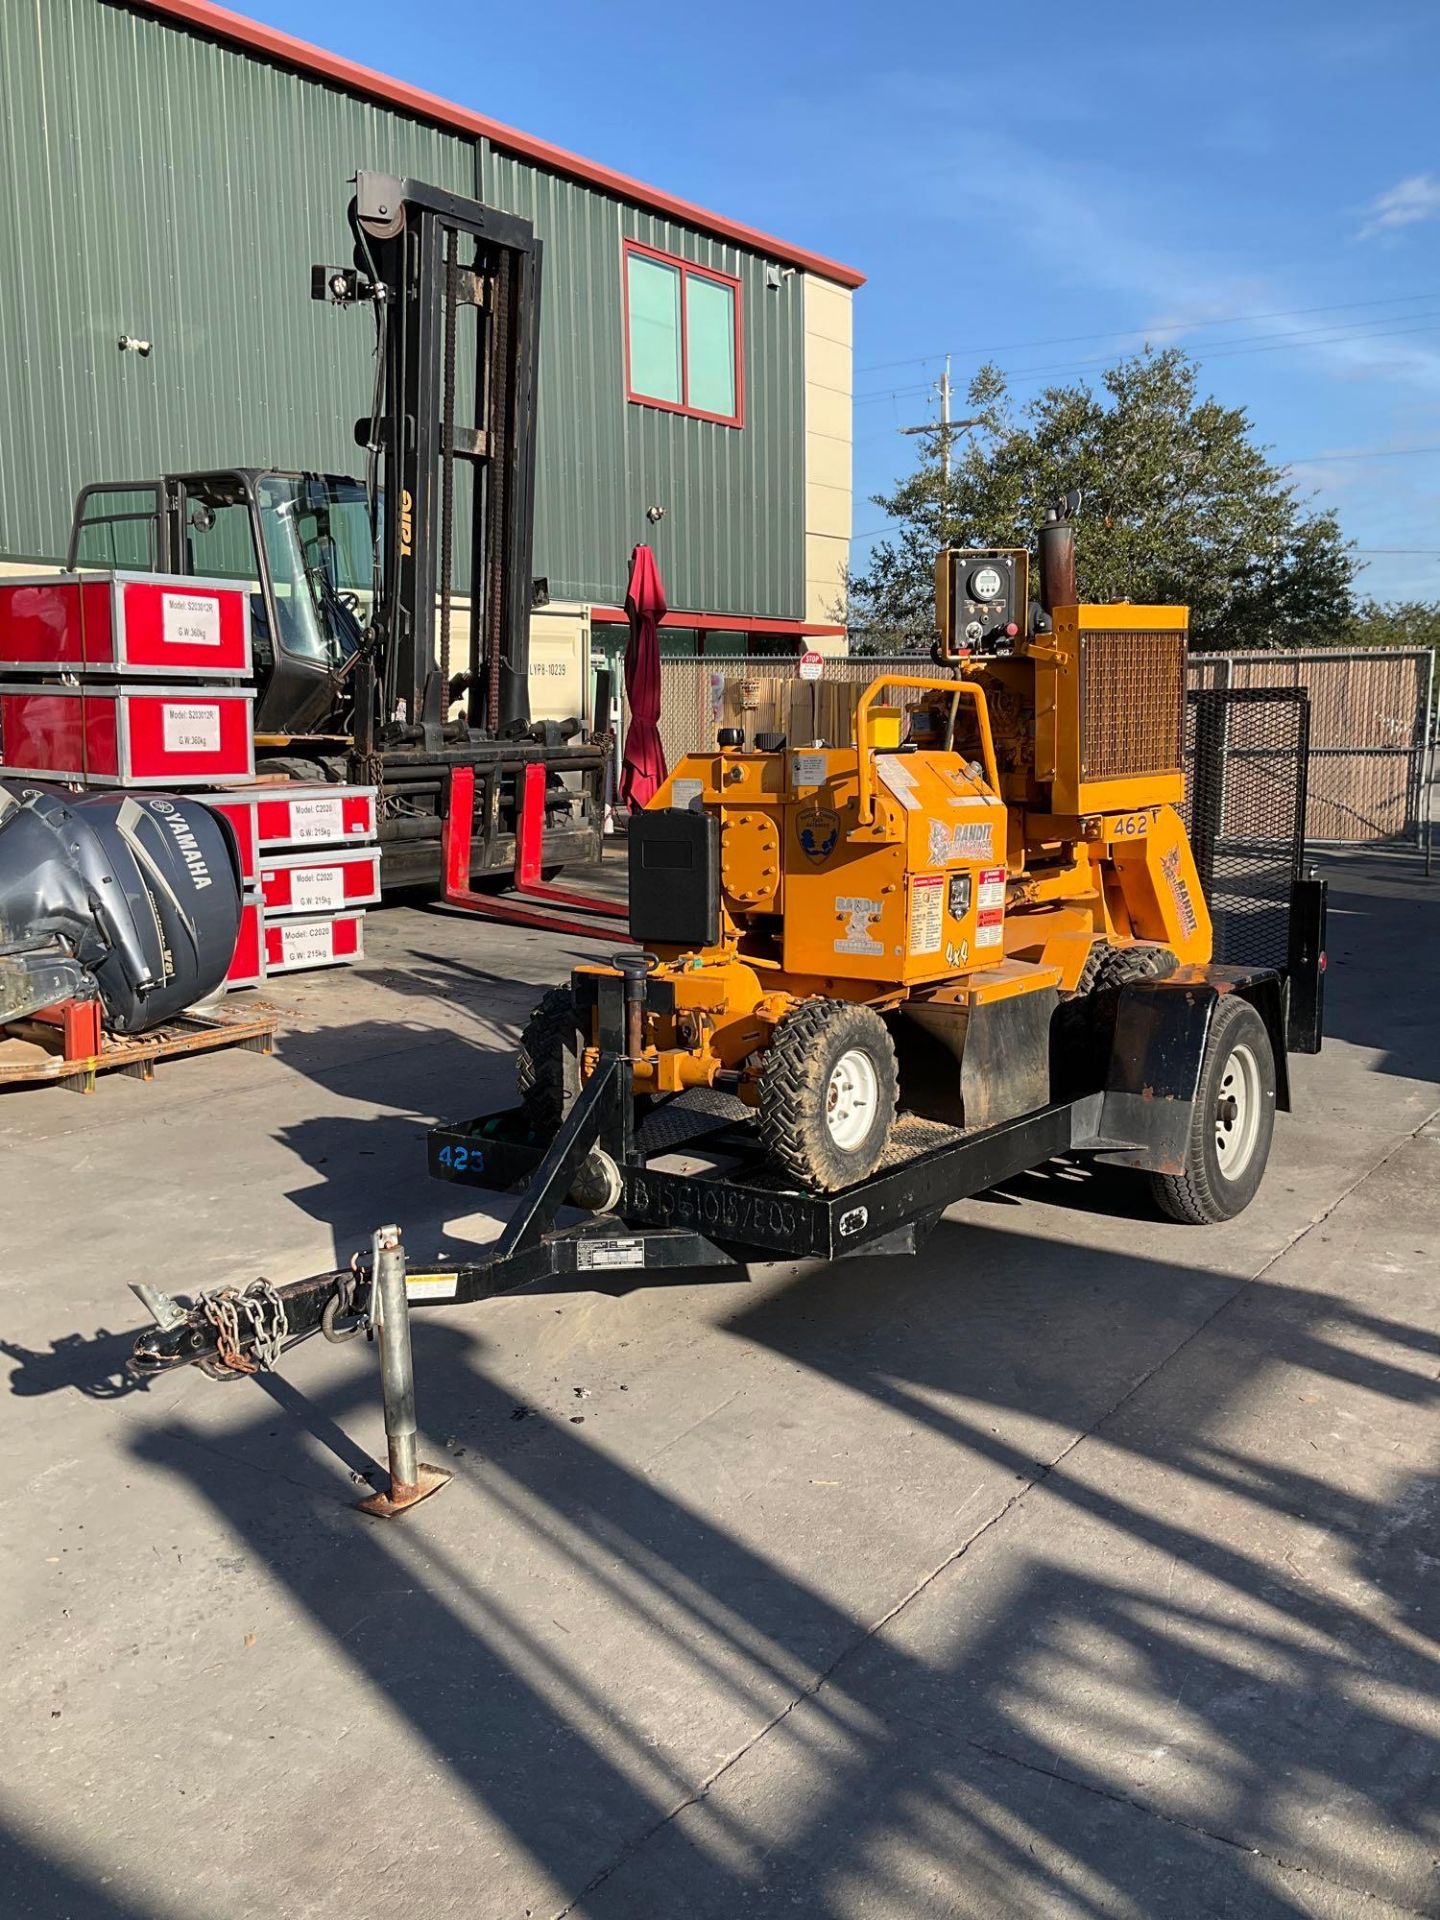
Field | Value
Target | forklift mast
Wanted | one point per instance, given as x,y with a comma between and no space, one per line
456,291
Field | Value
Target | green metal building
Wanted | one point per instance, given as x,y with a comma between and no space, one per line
170,170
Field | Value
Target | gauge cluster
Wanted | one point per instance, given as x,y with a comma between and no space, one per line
981,600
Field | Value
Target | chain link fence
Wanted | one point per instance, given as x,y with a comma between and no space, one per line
1370,721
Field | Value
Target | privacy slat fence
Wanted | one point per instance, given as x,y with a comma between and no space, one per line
1370,721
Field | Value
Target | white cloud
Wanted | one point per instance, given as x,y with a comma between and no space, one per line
1408,201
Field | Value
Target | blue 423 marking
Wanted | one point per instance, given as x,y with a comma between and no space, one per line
461,1159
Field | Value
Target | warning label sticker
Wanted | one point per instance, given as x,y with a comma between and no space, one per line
989,926
900,780
859,934
927,913
807,770
684,793
992,889
431,1286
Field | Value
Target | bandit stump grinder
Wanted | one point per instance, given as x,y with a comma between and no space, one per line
936,917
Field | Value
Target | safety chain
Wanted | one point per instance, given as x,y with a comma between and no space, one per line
342,1301
266,1320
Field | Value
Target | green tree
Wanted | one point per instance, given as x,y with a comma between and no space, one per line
1396,623
1180,507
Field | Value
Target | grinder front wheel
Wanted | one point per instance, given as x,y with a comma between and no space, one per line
828,1091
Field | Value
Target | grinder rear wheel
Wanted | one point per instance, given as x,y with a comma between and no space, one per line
828,1090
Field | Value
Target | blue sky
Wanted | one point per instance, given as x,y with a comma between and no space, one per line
1049,187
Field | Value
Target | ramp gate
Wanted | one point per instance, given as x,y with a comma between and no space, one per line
1247,762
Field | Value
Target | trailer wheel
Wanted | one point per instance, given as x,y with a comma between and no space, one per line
1232,1125
547,1067
828,1092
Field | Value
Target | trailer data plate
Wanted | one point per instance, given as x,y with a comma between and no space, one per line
593,1254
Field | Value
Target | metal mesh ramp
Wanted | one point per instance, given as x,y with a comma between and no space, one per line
1246,756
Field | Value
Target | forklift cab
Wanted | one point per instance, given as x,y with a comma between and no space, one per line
300,543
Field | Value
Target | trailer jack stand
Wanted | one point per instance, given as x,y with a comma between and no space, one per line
410,1480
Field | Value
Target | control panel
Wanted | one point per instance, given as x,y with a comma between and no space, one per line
982,599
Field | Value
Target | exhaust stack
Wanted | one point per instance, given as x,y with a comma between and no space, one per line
1058,586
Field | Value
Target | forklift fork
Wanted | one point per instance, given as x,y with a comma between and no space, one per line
604,919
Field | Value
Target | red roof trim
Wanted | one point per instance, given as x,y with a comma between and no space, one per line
204,17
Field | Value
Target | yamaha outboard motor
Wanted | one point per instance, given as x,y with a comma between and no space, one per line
131,897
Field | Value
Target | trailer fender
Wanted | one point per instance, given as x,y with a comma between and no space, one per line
1161,1028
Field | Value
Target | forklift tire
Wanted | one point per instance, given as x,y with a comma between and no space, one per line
1233,1121
312,772
828,1092
547,1067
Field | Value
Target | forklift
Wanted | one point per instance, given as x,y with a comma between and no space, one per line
868,981
391,614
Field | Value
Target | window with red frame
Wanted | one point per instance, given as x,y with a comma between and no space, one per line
682,337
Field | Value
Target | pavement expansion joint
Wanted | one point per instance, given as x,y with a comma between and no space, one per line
1170,1819
632,1847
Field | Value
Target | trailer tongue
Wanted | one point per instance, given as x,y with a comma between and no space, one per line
687,1186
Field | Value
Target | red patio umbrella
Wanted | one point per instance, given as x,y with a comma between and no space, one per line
642,769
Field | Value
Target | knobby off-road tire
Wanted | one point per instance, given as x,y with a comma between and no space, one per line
547,1067
1233,1122
1084,1029
828,1092
1108,966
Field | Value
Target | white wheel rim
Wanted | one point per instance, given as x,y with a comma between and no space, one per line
1237,1113
851,1099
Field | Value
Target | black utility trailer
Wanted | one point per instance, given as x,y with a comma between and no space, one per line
684,1186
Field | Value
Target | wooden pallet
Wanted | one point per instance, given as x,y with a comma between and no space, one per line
33,1052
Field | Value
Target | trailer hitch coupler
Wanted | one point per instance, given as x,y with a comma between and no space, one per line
410,1481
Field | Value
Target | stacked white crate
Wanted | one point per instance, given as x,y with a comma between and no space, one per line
316,867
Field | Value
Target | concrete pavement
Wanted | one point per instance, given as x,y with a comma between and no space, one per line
1081,1564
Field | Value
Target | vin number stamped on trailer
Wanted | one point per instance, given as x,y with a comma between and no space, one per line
728,1210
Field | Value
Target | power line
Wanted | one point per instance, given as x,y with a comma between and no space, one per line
1361,453
1155,326
1225,349
1276,343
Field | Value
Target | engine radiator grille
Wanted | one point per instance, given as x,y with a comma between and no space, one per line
1132,704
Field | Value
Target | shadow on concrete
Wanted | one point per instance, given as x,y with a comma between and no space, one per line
1002,1763
1384,917
38,1887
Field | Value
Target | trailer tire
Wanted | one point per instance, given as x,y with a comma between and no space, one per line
1232,1125
829,1086
547,1066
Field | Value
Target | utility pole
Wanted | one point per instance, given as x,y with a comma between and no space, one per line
947,430
945,426
945,418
